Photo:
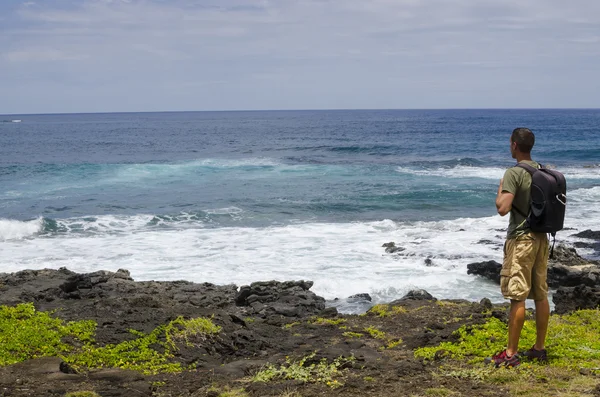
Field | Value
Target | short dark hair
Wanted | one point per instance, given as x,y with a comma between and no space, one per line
524,139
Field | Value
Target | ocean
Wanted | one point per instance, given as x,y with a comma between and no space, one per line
237,197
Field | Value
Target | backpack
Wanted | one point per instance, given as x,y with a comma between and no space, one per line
548,201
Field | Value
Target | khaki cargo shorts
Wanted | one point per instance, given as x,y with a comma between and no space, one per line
525,267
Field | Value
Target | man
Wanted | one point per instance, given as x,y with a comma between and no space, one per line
524,270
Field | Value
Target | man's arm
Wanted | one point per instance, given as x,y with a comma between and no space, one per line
504,200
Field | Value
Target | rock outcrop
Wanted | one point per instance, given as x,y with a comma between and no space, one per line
289,299
566,269
568,299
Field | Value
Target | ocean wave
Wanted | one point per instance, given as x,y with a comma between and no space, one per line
450,163
116,224
11,229
495,173
460,171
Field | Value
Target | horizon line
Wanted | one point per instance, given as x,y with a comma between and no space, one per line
286,110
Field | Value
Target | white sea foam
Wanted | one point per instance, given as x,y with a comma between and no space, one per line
225,211
16,230
341,258
233,163
462,171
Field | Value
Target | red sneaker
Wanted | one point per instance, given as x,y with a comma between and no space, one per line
503,359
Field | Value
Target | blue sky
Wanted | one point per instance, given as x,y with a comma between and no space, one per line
152,55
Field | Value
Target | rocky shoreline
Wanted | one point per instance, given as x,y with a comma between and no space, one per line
262,324
576,280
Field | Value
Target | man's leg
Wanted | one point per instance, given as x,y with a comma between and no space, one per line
516,320
542,316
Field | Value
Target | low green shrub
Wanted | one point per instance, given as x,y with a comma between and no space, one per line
327,321
375,333
26,333
321,372
572,340
384,310
82,394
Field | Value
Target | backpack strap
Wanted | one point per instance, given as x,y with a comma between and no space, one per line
528,168
531,170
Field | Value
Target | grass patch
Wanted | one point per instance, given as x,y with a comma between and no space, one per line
353,334
27,333
375,333
84,393
573,355
327,321
291,325
572,340
447,304
383,310
321,372
394,343
228,392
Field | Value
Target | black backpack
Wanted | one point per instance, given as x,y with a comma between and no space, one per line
548,201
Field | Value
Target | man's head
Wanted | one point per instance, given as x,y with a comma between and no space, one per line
522,140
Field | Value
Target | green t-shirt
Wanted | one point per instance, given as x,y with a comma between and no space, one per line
518,182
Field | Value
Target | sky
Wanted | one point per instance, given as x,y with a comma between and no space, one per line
67,56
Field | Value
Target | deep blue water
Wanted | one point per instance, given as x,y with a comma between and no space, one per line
277,166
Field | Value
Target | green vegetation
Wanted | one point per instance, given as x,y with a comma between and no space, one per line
384,310
291,325
28,333
352,335
228,391
526,380
447,304
82,394
300,370
327,321
375,333
572,340
573,354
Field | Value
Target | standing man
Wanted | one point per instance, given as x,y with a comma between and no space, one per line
525,265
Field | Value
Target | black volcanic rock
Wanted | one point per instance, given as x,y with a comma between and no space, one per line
591,234
416,295
567,269
568,299
489,270
289,298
